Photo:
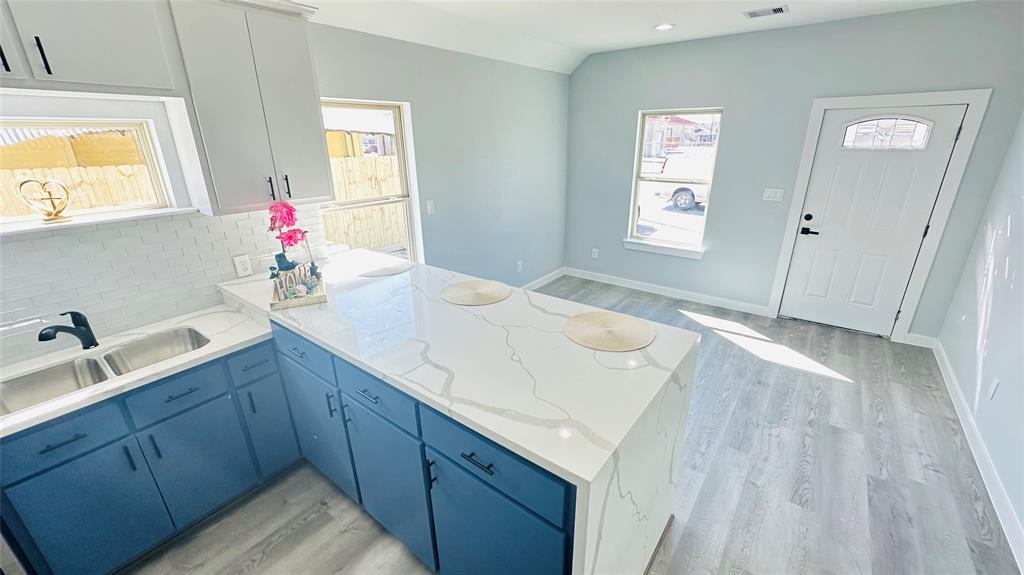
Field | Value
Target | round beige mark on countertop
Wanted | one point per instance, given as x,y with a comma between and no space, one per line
609,331
391,270
475,292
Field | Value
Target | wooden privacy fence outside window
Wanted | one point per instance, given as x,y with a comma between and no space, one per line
91,187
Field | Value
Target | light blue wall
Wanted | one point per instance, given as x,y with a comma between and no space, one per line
983,334
766,82
490,140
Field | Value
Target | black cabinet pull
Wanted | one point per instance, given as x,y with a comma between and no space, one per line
191,389
252,403
430,473
270,181
156,448
366,393
344,414
42,54
3,57
299,354
255,365
808,232
287,186
488,469
330,405
51,446
131,460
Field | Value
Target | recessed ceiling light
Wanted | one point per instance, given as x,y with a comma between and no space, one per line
663,27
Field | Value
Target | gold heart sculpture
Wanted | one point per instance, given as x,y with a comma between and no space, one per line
49,198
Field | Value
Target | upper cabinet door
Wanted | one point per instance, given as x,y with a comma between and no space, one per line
291,104
97,42
11,56
214,42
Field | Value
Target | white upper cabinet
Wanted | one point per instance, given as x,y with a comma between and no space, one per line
291,104
96,42
255,94
214,41
12,61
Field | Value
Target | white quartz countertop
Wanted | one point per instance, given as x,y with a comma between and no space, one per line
227,329
505,370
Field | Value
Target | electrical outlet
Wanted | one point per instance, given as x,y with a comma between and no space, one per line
243,267
594,253
519,265
773,194
992,390
430,207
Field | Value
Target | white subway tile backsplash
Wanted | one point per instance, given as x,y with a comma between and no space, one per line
128,273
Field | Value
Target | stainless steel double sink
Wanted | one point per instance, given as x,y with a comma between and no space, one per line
38,386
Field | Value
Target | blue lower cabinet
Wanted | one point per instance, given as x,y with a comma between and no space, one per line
94,513
479,530
392,478
316,411
200,459
270,424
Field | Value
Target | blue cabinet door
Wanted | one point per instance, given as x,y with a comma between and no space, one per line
392,478
479,530
316,410
94,513
270,424
200,459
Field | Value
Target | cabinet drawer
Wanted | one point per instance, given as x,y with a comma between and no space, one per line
252,364
305,353
177,394
521,480
61,441
394,405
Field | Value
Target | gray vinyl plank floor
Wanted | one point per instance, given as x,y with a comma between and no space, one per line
809,449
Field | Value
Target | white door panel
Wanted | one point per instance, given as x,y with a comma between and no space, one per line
869,206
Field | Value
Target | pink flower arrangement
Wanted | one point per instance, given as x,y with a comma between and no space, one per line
282,215
292,237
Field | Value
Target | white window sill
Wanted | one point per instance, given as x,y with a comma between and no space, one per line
82,220
665,249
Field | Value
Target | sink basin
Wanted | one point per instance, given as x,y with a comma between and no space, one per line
39,386
154,348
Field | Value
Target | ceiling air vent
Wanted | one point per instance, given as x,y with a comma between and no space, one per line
766,12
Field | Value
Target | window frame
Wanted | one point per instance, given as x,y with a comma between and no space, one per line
147,141
635,242
406,163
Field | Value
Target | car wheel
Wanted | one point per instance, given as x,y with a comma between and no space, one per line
683,200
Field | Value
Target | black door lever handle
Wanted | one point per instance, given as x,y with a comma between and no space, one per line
808,232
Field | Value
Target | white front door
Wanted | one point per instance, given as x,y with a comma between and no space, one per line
874,181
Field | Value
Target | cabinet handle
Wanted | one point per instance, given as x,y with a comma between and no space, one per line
330,405
488,469
366,393
131,460
3,57
252,403
344,414
299,354
191,389
430,473
270,181
42,54
287,186
51,446
156,448
255,365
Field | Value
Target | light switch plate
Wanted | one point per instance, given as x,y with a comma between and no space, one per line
243,267
773,194
430,207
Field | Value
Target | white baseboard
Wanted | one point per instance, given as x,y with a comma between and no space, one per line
670,292
1008,518
915,339
545,279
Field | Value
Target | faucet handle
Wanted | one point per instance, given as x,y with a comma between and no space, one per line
78,318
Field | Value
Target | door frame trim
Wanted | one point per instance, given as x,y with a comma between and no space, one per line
977,103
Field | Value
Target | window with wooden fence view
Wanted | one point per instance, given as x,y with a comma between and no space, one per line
368,168
105,166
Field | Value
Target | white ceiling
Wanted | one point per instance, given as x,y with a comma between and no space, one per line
558,35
